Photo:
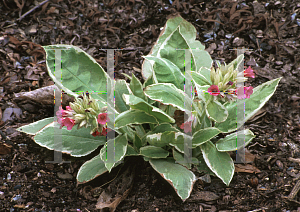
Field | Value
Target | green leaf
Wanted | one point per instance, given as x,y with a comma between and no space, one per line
147,82
202,166
179,157
126,75
199,78
178,35
120,147
160,129
204,135
130,151
178,142
137,88
230,142
168,94
219,163
137,142
261,94
140,131
80,72
235,63
216,111
90,170
164,127
139,104
76,142
153,152
196,152
128,130
179,177
120,89
34,127
134,117
205,72
205,122
167,72
202,92
160,139
85,74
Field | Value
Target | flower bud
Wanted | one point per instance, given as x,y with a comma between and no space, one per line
216,79
212,75
80,116
82,124
77,107
241,79
93,104
220,86
230,69
92,111
227,77
104,109
223,69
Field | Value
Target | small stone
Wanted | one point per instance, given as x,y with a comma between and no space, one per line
279,164
65,176
238,41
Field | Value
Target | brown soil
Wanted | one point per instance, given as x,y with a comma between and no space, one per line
271,30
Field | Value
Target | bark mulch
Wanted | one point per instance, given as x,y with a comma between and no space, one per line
269,30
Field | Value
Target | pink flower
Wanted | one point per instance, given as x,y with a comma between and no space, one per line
69,123
213,90
247,92
189,128
68,108
249,72
97,133
103,131
102,118
60,114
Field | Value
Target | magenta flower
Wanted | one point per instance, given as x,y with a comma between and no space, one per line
213,90
247,92
60,114
102,118
68,108
69,123
103,131
96,133
249,72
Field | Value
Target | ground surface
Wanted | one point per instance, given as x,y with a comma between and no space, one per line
271,30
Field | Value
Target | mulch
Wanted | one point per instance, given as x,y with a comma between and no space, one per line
270,31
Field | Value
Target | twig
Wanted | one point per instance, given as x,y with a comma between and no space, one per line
37,6
260,209
294,190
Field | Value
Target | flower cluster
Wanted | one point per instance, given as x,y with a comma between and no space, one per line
84,112
224,80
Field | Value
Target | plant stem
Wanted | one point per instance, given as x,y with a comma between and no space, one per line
151,127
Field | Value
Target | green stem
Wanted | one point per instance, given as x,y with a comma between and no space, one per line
151,126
